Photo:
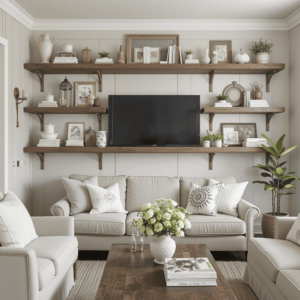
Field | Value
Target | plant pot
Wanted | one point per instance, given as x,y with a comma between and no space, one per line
206,144
268,224
189,56
161,248
101,139
218,143
262,58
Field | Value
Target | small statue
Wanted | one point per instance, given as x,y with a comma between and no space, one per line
121,57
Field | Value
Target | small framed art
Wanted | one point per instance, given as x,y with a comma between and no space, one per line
138,54
224,51
82,90
235,133
76,131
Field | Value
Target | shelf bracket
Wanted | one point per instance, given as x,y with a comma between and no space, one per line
268,80
41,78
99,120
211,118
41,156
41,117
268,119
100,80
211,158
100,160
211,80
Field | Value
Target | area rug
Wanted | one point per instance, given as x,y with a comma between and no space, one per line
89,274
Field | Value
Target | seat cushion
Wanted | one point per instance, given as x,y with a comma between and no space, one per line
58,249
46,272
273,256
100,224
288,283
147,189
130,217
215,225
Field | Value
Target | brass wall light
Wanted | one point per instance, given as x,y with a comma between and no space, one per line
24,97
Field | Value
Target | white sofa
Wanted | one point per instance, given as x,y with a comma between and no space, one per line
43,269
100,231
273,267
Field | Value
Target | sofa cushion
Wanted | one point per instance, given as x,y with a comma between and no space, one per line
288,283
185,183
141,190
274,255
106,181
46,272
58,249
294,233
100,224
130,217
212,226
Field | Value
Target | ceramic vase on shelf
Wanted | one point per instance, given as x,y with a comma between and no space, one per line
206,59
101,139
218,143
91,100
189,56
121,57
45,44
97,102
86,56
161,248
258,92
262,58
214,59
206,144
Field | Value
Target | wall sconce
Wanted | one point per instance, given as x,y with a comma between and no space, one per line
24,97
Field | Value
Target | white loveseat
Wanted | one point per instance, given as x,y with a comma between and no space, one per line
43,269
100,231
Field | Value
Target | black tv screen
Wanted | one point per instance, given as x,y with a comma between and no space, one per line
153,120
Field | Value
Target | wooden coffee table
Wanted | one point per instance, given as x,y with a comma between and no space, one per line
135,276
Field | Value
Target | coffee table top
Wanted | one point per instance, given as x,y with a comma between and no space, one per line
135,276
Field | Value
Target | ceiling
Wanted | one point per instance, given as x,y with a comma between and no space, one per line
159,9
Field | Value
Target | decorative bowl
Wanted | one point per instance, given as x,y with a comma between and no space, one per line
49,136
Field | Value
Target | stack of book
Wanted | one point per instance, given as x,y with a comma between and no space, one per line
192,61
48,104
255,142
74,143
146,55
104,60
223,104
259,103
49,143
189,272
67,54
172,56
65,60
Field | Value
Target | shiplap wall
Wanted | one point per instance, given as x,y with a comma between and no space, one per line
18,37
47,187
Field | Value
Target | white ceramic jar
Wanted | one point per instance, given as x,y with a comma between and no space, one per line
218,143
49,97
67,47
101,139
161,248
49,128
206,144
45,46
189,56
262,58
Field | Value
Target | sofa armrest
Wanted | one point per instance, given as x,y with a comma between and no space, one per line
248,212
19,274
283,226
61,208
54,226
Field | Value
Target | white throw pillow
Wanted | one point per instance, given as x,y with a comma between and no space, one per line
230,196
203,200
92,180
294,233
105,200
16,227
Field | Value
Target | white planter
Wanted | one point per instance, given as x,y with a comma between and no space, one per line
206,144
189,56
101,139
262,58
218,143
45,46
161,248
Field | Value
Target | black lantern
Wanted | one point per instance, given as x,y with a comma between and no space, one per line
65,93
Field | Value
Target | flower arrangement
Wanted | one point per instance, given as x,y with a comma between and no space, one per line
162,218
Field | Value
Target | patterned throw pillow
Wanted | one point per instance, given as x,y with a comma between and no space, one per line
294,233
204,200
105,200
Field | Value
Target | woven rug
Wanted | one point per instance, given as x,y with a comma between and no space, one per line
89,274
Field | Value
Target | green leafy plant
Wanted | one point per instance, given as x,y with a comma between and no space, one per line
260,46
221,97
104,54
280,182
208,137
217,136
188,52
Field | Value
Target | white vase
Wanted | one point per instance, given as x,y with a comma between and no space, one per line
206,144
218,143
189,56
206,59
262,58
161,248
45,47
101,139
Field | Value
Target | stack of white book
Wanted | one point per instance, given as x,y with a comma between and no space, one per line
49,143
65,60
146,55
104,60
189,272
172,55
223,104
192,61
258,103
48,104
74,143
255,142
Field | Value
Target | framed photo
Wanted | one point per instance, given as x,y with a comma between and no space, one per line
224,49
76,131
235,133
82,90
138,55
155,55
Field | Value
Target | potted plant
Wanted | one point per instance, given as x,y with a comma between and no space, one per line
104,54
279,182
206,140
188,54
162,219
261,50
217,138
221,97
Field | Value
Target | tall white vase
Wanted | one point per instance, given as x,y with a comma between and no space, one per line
161,248
45,44
206,59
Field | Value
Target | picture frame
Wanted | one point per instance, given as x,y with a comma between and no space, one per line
76,131
155,55
224,49
235,133
81,91
162,41
138,55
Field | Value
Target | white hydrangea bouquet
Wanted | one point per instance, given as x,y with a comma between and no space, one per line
162,218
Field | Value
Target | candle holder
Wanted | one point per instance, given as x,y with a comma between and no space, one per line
24,97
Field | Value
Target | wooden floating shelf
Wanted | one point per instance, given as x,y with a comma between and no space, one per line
137,68
268,111
40,151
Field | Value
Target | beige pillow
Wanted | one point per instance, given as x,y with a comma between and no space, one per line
294,233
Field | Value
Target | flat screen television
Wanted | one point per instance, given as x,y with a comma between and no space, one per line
153,120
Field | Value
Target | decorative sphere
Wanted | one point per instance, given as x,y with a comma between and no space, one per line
241,58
